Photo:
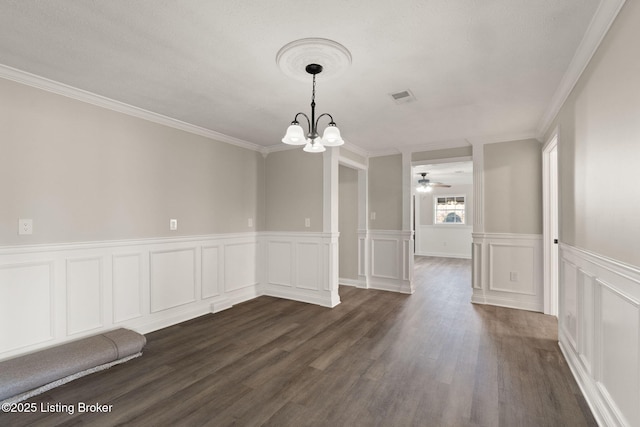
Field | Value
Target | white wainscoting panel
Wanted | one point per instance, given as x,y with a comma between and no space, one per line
56,293
507,270
26,304
84,295
385,255
280,263
211,271
237,257
599,332
389,260
173,278
569,276
302,267
309,265
511,268
449,241
127,286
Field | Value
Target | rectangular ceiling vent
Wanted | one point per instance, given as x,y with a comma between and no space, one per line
403,97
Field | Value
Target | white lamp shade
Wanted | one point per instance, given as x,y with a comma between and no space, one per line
295,136
331,137
317,147
423,188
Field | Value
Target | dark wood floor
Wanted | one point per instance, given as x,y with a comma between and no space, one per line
377,359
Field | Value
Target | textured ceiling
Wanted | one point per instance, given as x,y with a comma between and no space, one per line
477,68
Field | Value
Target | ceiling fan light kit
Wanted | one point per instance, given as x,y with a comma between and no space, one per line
425,185
311,52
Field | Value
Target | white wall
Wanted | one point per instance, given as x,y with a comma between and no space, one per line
443,240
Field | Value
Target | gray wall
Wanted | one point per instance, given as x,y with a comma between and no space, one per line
385,192
294,189
84,173
599,148
348,222
513,187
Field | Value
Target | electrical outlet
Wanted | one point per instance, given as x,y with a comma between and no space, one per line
373,216
307,222
250,222
25,226
513,276
173,224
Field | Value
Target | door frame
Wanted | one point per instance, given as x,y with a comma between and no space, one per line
550,224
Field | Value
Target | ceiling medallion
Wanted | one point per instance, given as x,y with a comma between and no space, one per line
295,56
302,58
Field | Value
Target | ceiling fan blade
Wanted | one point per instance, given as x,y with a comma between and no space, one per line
440,185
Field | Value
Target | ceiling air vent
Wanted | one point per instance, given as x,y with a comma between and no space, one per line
403,97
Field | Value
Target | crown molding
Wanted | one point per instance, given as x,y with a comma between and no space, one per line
598,27
356,149
58,88
437,145
507,137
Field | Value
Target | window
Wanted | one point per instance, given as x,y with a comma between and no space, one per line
449,209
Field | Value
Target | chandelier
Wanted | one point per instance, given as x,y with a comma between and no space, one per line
312,142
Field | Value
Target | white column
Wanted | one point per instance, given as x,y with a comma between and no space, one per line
363,228
478,250
407,218
478,188
330,221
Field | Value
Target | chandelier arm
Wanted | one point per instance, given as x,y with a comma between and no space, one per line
295,120
324,114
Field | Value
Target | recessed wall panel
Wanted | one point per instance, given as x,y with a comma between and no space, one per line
569,310
240,261
26,312
308,267
511,268
280,263
385,258
127,287
620,320
84,294
172,278
210,271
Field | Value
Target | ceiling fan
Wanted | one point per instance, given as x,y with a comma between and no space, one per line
425,185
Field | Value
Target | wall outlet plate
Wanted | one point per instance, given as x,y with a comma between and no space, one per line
25,226
173,224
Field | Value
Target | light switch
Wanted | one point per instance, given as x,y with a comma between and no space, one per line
173,224
25,226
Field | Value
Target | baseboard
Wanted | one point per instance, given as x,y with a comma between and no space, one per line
324,299
352,282
444,255
502,301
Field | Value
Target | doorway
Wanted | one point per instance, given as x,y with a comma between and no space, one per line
348,225
443,208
